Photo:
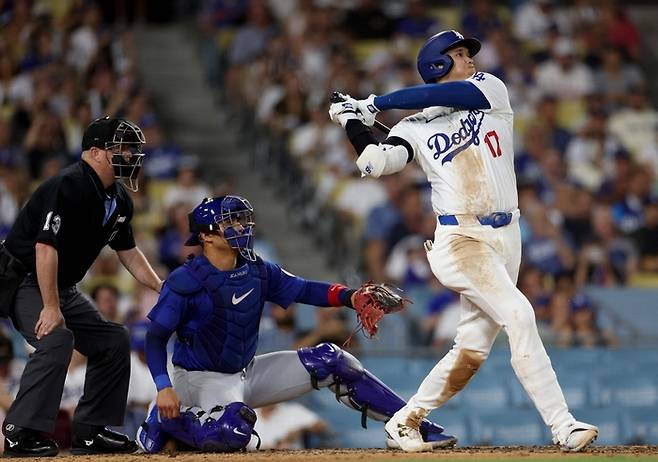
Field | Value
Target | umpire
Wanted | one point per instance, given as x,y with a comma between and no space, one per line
55,239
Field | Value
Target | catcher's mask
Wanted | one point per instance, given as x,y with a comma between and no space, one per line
124,140
230,216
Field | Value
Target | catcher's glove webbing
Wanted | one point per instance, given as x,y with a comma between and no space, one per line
371,302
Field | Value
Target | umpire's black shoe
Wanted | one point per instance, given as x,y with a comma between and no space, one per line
29,443
106,441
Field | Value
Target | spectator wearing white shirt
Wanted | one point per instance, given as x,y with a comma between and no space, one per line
281,426
563,76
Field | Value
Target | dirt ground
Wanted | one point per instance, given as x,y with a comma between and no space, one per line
349,455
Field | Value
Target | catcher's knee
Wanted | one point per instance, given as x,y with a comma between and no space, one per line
327,359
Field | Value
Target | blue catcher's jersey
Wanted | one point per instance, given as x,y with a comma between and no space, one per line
216,314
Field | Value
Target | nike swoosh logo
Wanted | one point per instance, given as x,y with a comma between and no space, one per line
237,300
235,430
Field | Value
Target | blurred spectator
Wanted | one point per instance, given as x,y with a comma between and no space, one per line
277,331
532,22
368,21
646,239
628,212
616,77
189,188
590,154
634,124
417,23
532,284
619,31
331,326
173,252
286,425
546,248
563,76
161,161
606,258
480,19
106,298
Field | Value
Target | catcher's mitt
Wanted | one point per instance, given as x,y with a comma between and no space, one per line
372,301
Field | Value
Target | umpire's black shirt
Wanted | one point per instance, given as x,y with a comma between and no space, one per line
67,212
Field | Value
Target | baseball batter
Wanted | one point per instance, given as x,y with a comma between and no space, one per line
463,142
214,303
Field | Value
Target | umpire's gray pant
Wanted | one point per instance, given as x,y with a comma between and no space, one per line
105,344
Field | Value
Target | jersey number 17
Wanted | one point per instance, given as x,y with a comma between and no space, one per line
491,138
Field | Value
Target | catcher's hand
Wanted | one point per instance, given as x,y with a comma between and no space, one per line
372,301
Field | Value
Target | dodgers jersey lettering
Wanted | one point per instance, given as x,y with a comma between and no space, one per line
467,155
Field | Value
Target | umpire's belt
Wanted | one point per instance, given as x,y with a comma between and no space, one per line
495,220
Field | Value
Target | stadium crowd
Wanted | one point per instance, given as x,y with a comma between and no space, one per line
586,147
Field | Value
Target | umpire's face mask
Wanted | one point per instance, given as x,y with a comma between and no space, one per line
127,156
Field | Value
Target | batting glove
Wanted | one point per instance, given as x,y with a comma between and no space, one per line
344,111
367,109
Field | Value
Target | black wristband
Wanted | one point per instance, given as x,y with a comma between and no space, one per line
346,297
360,135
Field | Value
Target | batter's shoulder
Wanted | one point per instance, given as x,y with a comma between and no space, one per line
181,281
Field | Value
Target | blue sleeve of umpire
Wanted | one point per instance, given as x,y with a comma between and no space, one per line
460,94
157,337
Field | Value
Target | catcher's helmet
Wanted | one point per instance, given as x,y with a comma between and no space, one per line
433,63
223,214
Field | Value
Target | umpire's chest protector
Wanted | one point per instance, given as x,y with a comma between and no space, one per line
227,339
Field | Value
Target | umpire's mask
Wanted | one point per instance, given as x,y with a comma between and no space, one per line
127,156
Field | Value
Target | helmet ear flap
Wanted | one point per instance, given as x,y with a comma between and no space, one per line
442,65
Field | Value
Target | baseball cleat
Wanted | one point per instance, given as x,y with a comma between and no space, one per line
431,433
404,436
29,443
150,438
579,436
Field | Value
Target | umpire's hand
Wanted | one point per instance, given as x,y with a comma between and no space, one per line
168,403
50,318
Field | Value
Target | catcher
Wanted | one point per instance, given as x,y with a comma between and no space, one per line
214,303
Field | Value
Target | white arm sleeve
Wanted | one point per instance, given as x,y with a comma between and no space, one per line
382,159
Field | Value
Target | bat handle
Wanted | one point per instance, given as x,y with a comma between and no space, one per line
336,97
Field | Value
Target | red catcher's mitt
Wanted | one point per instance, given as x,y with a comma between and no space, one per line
372,301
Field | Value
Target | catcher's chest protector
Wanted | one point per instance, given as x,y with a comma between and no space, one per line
227,339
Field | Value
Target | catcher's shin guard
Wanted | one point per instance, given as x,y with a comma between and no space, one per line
223,429
330,366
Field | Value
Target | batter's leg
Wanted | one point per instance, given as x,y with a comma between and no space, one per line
476,333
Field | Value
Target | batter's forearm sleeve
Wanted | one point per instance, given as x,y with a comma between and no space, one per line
450,94
324,294
360,135
157,337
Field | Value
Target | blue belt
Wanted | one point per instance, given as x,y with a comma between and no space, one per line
495,220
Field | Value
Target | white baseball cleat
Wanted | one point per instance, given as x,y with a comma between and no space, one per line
578,436
404,436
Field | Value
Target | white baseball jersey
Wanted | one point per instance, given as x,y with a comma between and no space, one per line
467,155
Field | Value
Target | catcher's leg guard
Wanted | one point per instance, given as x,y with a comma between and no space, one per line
223,429
150,436
329,365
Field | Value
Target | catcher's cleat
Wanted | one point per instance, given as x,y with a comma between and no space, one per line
106,441
406,437
29,443
150,437
578,436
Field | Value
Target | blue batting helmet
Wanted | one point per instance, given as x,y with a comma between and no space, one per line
433,63
222,214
